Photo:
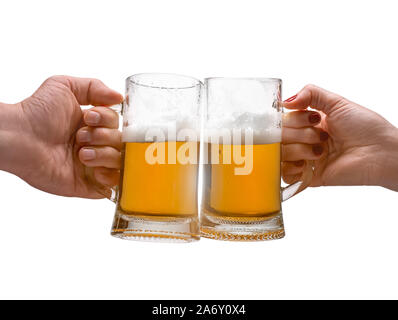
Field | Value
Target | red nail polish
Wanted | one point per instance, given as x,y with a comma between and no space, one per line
324,136
317,149
291,98
299,163
314,117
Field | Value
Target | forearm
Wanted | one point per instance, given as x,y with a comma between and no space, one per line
12,138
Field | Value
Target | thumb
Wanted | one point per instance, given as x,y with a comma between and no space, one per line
90,91
315,97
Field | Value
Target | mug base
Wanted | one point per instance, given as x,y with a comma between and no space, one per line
155,228
241,228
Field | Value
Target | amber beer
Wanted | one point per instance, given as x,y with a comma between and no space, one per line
164,186
238,196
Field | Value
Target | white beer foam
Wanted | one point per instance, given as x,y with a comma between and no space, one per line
160,130
264,128
239,95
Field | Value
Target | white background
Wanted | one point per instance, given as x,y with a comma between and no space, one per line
341,242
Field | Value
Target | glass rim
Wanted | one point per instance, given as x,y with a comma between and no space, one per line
263,79
131,79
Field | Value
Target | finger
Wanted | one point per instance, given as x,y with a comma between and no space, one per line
107,177
293,167
291,178
90,91
101,117
89,136
304,135
299,151
317,98
300,119
100,157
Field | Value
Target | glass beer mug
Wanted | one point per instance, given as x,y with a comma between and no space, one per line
157,195
241,154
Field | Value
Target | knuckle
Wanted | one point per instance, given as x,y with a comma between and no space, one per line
55,78
310,87
109,115
340,101
96,81
101,134
111,152
311,135
300,150
113,116
105,152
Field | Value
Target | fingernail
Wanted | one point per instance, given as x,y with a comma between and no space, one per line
83,136
88,154
93,117
314,117
299,163
317,149
324,136
291,98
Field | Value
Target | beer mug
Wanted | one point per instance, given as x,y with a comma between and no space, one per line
157,195
242,194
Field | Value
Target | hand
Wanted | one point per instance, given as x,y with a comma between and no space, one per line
350,145
43,148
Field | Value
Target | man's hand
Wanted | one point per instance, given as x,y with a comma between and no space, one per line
38,137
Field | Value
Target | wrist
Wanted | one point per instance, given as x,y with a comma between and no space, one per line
12,138
388,161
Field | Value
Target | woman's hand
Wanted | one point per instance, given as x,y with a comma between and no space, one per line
350,145
49,142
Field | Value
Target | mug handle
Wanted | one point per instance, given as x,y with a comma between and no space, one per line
295,188
109,193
